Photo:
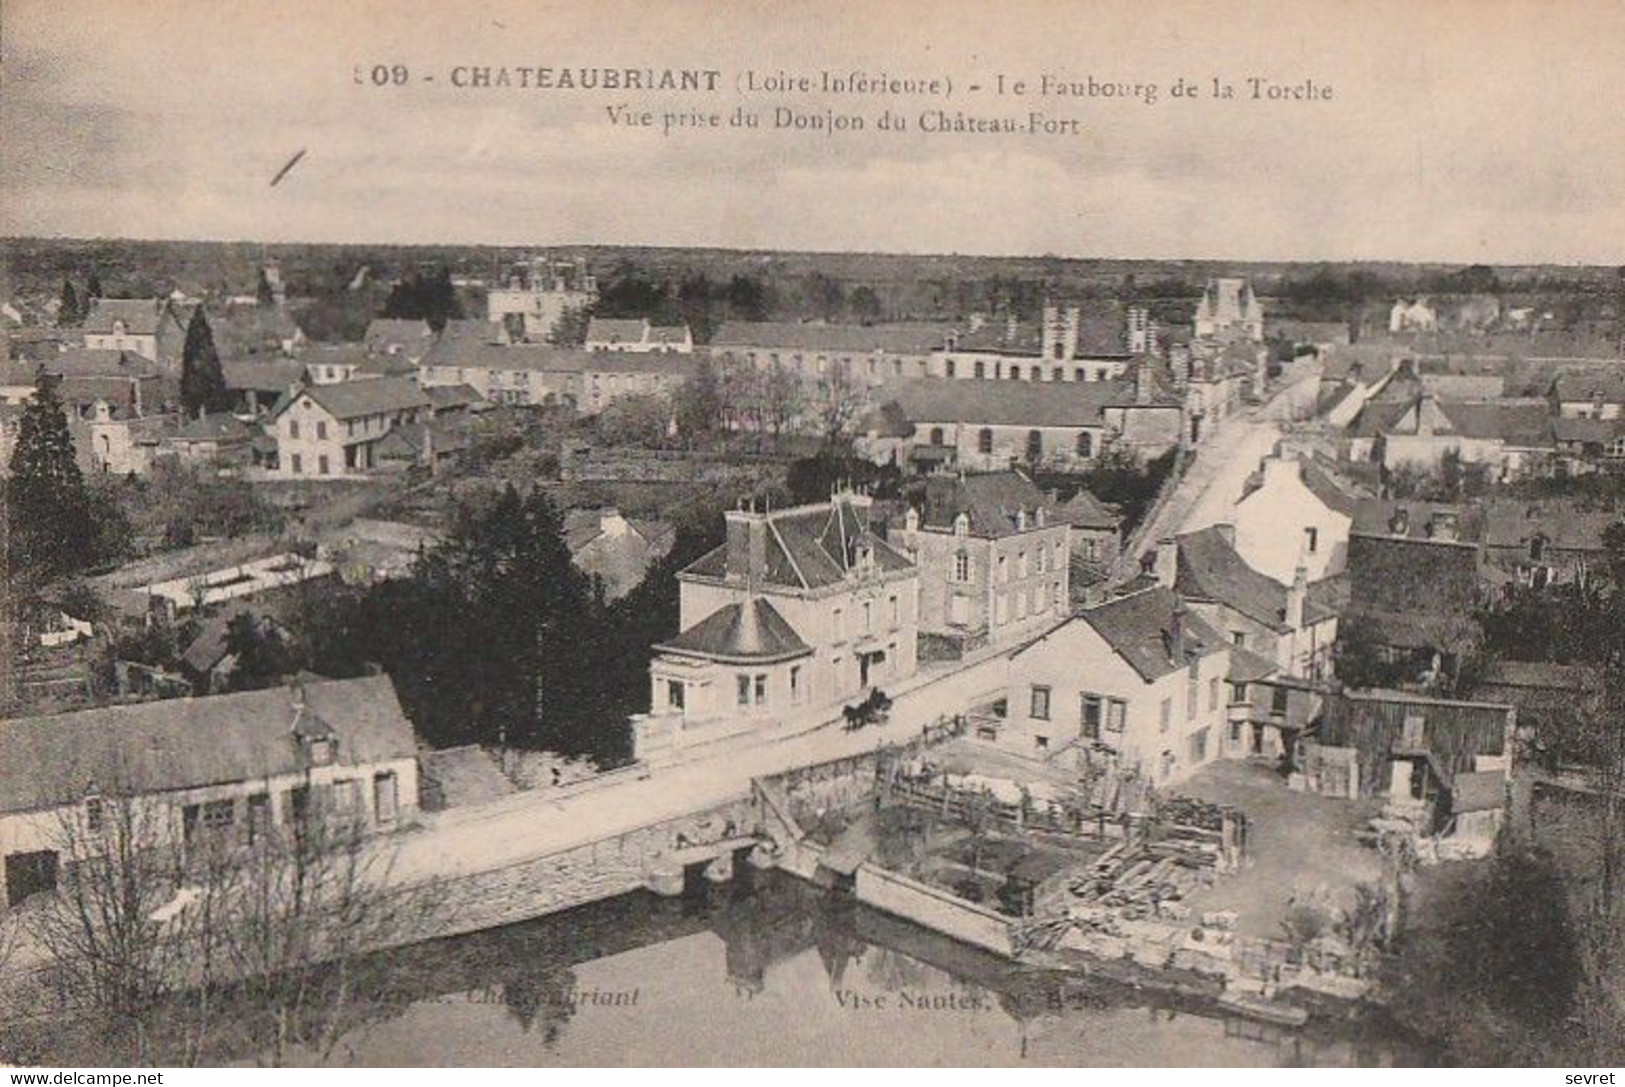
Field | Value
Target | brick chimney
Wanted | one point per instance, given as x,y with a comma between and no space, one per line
1296,596
747,546
1174,634
1167,562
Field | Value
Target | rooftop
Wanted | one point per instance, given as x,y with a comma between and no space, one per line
352,399
897,339
1140,628
189,743
752,631
1010,403
1210,569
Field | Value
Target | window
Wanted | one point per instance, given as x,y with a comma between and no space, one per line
744,690
980,368
1213,693
293,429
984,440
386,798
948,368
1040,704
1311,539
93,813
936,435
322,465
218,814
1238,638
298,465
674,694
868,617
1038,560
1080,374
347,797
1238,692
1035,445
1199,746
1193,687
1165,719
321,430
1116,715
896,612
1041,743
1015,373
1089,714
258,820
1086,444
962,566
761,689
1004,569
795,683
837,624
1278,700
1021,564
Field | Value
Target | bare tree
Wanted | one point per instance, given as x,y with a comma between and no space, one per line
838,401
244,940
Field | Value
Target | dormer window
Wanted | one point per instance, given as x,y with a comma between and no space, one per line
320,752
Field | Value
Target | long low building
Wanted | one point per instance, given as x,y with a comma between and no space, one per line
541,374
182,774
993,425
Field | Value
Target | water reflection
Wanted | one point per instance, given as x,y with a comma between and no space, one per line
767,970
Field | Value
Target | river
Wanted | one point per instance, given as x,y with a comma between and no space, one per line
769,971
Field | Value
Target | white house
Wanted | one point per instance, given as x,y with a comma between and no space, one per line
1298,515
1139,678
148,327
801,607
1228,310
195,769
540,293
331,431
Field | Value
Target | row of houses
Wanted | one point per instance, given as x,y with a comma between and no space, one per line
1533,416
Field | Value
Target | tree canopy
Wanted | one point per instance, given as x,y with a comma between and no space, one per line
52,529
203,381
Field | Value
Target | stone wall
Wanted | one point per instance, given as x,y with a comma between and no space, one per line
586,873
934,908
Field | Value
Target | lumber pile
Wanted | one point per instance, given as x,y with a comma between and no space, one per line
1144,879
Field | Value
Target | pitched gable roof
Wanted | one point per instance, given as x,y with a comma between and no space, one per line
1138,627
373,396
993,502
1010,403
188,743
1210,569
140,316
898,339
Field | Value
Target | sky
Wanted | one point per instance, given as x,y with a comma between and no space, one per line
1458,130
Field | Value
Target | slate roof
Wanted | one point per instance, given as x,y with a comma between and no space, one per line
1247,666
1010,403
896,339
1587,431
1210,569
1084,510
752,631
1137,628
385,332
209,647
639,362
1583,385
1564,524
445,397
1571,679
140,315
220,426
352,399
991,500
1380,517
275,375
1337,494
808,547
188,743
470,353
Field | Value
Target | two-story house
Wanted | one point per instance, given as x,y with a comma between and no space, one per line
148,327
1290,625
1141,678
331,431
801,607
994,557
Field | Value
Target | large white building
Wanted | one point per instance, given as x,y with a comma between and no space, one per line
539,293
800,608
